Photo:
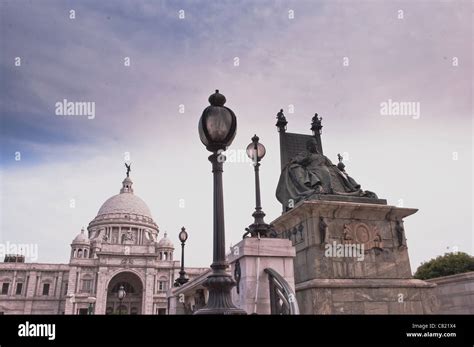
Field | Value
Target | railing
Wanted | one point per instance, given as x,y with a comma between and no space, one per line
282,297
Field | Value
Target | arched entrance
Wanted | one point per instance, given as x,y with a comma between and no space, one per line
132,303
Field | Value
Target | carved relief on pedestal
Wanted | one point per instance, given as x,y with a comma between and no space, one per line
323,232
361,233
295,234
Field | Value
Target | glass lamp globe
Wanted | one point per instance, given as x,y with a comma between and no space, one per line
183,235
218,124
255,148
121,293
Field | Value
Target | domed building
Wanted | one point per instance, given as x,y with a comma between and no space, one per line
122,253
118,265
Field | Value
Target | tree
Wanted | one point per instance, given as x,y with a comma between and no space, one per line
445,265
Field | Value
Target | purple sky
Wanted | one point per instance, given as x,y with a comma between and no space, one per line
283,63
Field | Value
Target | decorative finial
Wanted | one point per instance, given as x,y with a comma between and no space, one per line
127,182
255,138
281,121
82,230
128,166
316,124
217,99
165,235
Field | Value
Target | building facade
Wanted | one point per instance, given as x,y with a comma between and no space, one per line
118,251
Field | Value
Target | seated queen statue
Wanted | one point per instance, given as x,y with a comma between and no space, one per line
310,174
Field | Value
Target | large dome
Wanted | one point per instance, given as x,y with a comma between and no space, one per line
123,209
125,203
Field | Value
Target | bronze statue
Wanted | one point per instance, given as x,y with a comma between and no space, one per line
281,121
400,234
322,230
281,116
311,173
128,168
316,124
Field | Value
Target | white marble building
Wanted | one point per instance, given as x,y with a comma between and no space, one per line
119,248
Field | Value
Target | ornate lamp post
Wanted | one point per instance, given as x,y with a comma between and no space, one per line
121,295
217,128
183,236
256,151
91,301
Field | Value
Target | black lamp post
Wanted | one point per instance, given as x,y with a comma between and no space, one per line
217,128
121,295
256,151
182,279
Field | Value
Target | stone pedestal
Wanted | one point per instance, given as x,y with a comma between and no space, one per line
253,256
352,258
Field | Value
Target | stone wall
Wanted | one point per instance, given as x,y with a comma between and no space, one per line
455,293
366,296
30,299
66,294
376,279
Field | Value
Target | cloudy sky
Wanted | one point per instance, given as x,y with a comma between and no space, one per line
340,59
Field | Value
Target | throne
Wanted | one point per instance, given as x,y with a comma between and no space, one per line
292,144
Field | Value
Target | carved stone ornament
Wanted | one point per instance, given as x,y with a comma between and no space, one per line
361,233
127,261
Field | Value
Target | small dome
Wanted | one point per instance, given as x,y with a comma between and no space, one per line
81,237
165,242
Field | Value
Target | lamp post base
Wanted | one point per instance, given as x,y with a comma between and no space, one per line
220,299
259,228
180,281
